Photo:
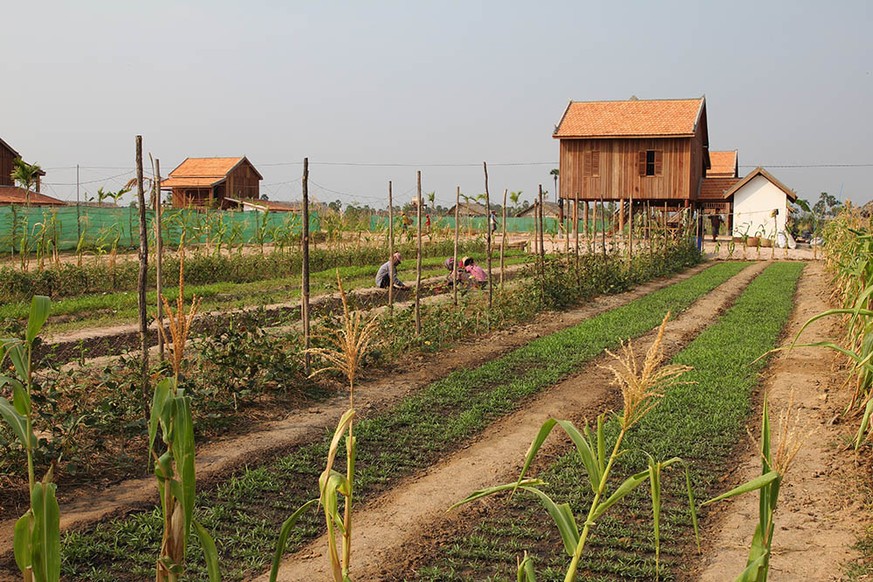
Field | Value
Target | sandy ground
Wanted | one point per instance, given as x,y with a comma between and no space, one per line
220,458
387,528
821,513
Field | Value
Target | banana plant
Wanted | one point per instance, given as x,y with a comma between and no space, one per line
36,538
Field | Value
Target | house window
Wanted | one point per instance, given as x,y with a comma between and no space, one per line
591,163
650,163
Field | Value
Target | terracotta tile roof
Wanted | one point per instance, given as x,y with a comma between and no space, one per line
715,188
205,167
203,172
603,119
722,165
16,195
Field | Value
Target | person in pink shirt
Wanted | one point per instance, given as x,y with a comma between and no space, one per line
478,276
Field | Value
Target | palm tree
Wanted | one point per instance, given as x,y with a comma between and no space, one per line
25,175
554,174
513,197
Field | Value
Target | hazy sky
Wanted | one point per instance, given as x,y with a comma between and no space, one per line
372,91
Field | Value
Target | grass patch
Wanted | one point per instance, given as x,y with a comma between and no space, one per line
245,512
700,422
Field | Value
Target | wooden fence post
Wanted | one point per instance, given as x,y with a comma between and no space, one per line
390,247
488,238
141,281
503,240
304,294
418,260
159,256
455,252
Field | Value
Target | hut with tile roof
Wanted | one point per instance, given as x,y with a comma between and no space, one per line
212,182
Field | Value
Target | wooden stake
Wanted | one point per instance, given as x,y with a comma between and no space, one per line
455,252
390,247
304,280
603,224
141,280
503,239
159,256
488,236
418,261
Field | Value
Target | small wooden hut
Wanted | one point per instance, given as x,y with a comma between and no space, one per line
207,182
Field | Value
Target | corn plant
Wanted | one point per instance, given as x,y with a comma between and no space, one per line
774,466
641,389
174,469
36,538
349,345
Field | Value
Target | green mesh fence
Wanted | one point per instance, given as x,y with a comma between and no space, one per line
478,224
87,227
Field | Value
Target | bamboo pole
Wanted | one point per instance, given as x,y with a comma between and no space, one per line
390,246
488,237
455,252
159,256
418,261
541,256
304,280
141,280
503,239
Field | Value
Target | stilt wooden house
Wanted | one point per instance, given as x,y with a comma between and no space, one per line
653,152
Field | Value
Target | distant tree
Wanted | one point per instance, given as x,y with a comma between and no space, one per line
554,174
336,205
25,175
827,206
513,197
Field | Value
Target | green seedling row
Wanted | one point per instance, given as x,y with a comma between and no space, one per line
245,512
702,420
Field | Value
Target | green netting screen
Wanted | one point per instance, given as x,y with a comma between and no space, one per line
70,227
477,224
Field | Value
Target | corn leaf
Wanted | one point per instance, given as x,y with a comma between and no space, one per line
22,541
753,485
15,351
16,421
629,485
865,424
692,507
587,454
526,572
183,453
20,398
284,532
46,554
40,306
497,489
563,518
210,552
655,488
341,428
163,393
538,441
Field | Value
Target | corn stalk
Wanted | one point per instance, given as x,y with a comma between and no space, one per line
36,538
641,390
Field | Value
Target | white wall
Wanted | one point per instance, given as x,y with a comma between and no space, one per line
753,204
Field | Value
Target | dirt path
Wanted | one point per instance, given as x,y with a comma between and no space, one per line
388,529
219,459
820,513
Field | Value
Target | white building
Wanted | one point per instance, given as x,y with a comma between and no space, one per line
760,205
